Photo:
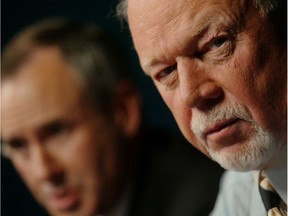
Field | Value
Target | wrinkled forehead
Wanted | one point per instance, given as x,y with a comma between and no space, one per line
153,23
151,17
153,13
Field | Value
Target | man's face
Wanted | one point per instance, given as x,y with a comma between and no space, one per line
66,153
220,72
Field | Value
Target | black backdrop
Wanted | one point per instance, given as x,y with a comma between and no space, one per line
17,14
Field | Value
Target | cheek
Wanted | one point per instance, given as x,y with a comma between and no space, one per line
83,165
24,173
176,106
24,170
258,90
96,164
183,119
182,115
82,156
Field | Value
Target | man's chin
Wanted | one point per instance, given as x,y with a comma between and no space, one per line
239,161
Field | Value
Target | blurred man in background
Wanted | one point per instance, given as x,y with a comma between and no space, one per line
72,127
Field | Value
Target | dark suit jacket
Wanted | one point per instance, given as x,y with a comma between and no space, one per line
172,179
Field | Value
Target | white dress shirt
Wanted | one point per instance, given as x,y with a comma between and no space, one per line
239,194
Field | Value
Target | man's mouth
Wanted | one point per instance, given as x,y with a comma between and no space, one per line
224,133
64,199
219,126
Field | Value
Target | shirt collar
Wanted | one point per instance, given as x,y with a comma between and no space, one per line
277,174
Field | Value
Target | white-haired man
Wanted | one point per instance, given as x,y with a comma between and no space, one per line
220,66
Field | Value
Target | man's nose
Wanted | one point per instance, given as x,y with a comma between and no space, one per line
45,166
198,89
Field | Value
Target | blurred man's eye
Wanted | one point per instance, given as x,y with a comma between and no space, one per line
13,146
17,144
54,129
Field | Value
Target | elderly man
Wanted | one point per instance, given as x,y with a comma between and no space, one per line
220,66
72,127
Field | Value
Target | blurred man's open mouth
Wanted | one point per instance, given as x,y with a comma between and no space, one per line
64,199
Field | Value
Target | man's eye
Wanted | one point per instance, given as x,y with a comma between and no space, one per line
16,144
217,43
164,73
14,147
56,129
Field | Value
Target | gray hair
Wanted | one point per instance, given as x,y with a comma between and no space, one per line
264,6
97,58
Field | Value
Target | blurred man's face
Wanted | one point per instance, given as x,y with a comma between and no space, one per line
66,153
220,72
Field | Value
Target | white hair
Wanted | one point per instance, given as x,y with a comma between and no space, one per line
264,6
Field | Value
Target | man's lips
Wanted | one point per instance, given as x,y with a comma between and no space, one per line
219,126
64,199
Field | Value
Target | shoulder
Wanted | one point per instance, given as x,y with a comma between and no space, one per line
172,175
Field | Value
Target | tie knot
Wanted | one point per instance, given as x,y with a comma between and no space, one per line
271,200
265,184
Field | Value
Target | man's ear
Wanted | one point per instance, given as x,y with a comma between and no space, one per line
127,109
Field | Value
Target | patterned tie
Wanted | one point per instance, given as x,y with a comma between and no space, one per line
274,205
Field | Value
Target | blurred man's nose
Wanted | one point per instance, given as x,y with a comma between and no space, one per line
198,90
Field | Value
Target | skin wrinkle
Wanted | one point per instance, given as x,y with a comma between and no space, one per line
264,7
204,23
263,54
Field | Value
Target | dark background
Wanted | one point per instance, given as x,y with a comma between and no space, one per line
16,15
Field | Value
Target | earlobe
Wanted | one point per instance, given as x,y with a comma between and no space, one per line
127,109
